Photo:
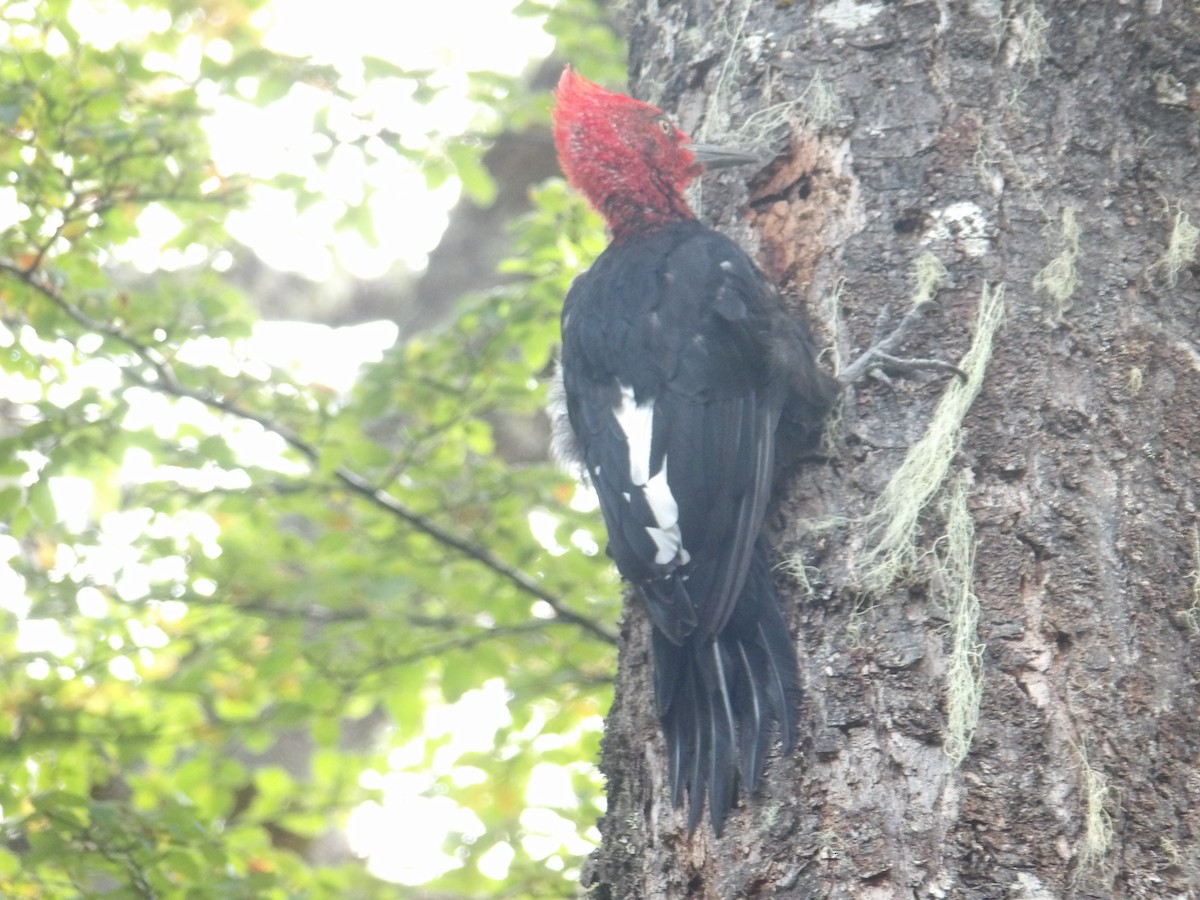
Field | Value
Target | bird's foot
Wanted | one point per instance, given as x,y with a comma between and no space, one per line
879,359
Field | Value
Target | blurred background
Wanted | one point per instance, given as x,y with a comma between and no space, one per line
292,601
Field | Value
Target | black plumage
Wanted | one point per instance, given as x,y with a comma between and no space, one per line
678,365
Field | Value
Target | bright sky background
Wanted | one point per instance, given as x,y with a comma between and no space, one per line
264,142
410,217
403,836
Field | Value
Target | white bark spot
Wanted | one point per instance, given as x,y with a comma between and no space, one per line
962,224
846,15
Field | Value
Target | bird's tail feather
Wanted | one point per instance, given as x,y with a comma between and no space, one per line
718,697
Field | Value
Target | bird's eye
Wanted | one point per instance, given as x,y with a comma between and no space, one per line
666,127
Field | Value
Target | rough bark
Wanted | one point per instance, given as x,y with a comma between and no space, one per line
1053,151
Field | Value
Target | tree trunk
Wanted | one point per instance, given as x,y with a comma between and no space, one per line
1023,543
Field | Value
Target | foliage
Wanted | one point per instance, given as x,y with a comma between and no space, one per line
215,579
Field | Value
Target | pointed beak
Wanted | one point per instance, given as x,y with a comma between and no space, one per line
714,157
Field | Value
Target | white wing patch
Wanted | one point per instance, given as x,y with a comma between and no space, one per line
636,421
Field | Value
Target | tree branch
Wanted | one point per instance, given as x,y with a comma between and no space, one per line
350,674
166,382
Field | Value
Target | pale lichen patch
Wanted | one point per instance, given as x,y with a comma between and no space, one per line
931,274
1181,248
1060,277
953,586
1097,836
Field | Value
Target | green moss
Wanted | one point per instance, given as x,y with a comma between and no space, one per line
795,566
764,130
893,524
953,585
1096,838
1181,248
1025,29
1030,27
1060,277
1191,615
931,273
821,102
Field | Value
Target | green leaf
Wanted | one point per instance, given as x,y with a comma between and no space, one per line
476,182
41,503
375,67
220,611
10,863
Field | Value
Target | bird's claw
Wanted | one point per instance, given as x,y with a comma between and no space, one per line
907,366
879,357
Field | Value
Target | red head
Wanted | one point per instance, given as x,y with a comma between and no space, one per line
623,155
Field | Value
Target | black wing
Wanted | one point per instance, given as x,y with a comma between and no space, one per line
669,390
